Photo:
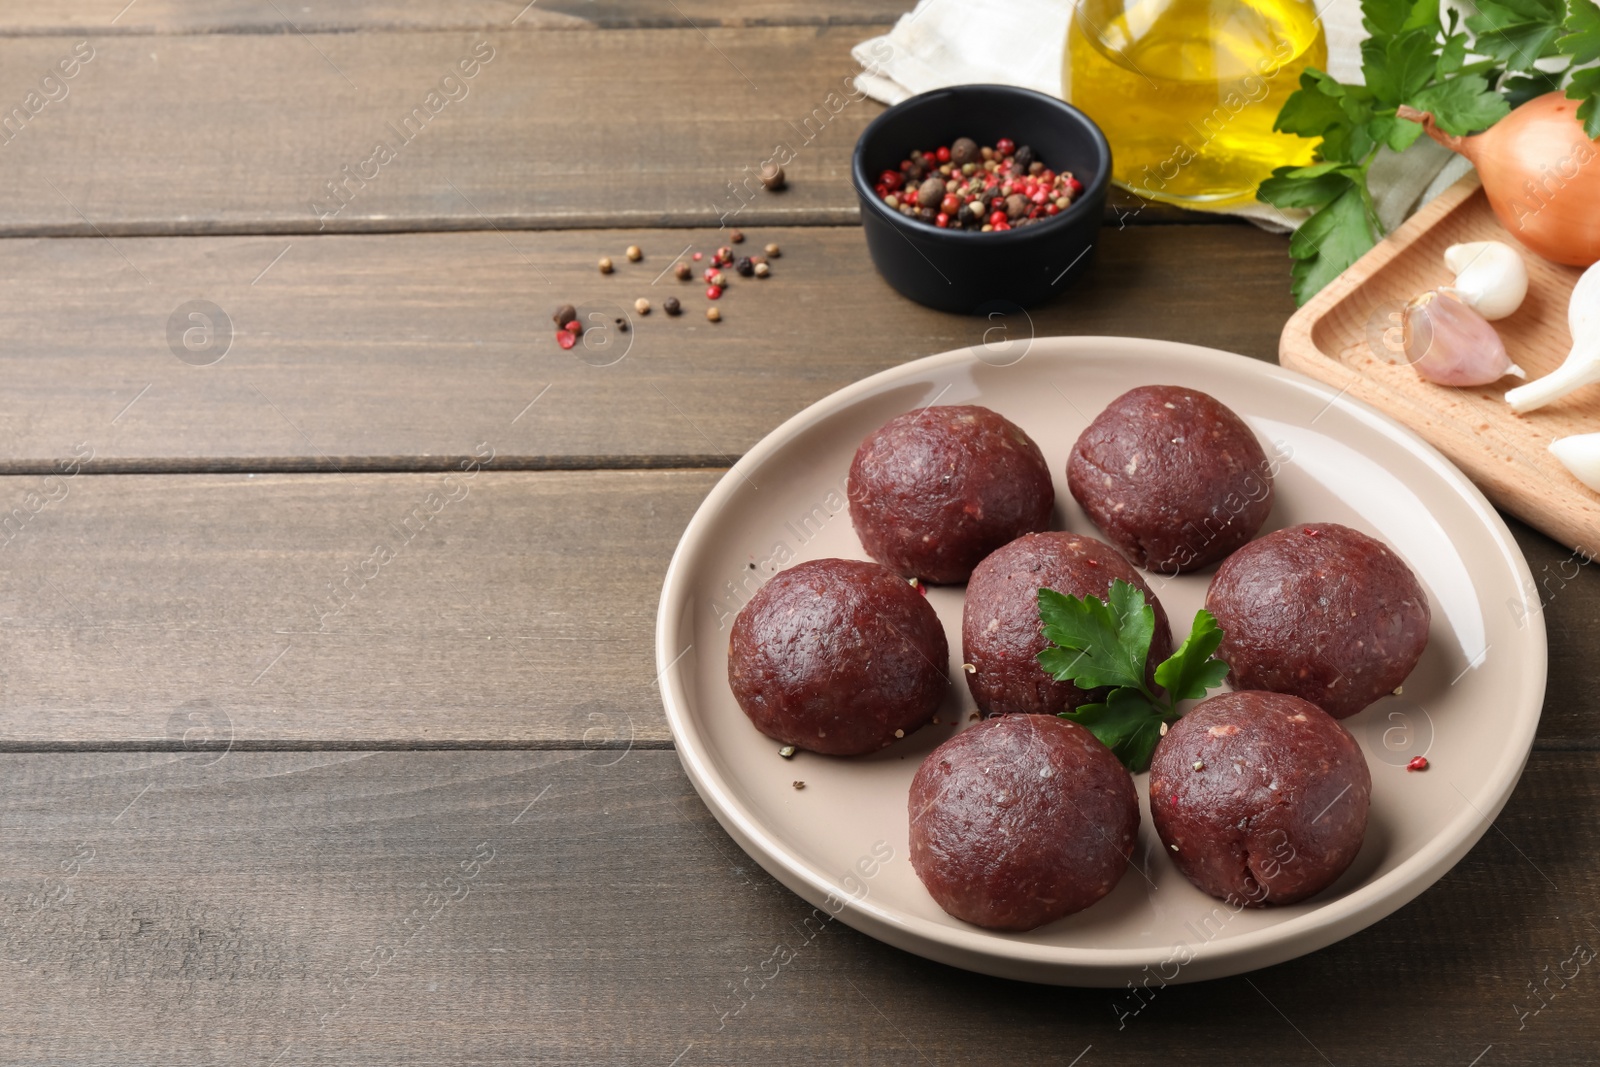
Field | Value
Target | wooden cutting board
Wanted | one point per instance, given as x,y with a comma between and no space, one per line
1348,335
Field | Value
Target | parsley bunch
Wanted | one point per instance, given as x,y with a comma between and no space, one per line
1096,643
1414,57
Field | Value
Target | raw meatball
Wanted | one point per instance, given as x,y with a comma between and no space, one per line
1172,477
934,491
1021,820
1260,798
838,656
1001,635
1322,612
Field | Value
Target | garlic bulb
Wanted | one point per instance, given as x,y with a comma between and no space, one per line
1491,277
1449,343
1582,365
1581,456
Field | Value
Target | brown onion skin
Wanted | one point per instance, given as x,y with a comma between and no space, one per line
1541,174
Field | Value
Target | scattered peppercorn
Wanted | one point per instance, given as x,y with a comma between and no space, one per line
697,256
564,314
634,254
772,176
798,784
605,265
745,267
762,270
736,236
787,751
965,187
713,315
772,251
713,292
573,325
566,338
684,272
1418,763
641,305
671,306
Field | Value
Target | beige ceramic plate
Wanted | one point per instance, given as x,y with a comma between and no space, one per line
840,842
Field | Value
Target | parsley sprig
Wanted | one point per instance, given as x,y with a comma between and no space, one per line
1416,58
1097,643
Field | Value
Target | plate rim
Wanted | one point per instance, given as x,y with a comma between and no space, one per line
1007,955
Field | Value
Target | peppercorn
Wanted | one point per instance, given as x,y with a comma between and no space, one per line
736,236
622,325
565,314
963,150
713,315
744,266
713,292
772,176
772,252
1418,763
1016,204
671,306
605,265
762,270
566,338
634,255
641,305
717,279
930,192
1025,157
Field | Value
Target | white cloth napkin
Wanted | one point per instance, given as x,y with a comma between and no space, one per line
1019,42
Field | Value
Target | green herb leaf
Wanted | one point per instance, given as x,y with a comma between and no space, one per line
1518,33
1101,642
1126,723
1387,18
1287,188
1190,671
1582,41
1398,67
1462,105
1096,643
1586,87
1313,108
1329,242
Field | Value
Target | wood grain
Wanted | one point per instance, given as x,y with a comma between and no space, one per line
518,608
406,351
296,906
405,610
104,17
625,127
1346,336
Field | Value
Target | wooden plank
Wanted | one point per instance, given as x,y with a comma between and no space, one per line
321,131
518,610
503,608
406,351
104,17
477,908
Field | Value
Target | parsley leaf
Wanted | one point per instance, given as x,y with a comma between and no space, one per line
1518,33
1582,42
1098,643
1464,104
1330,241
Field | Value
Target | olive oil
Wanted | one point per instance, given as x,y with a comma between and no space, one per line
1187,90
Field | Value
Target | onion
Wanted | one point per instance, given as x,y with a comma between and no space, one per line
1541,174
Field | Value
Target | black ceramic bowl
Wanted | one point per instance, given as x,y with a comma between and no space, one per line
969,271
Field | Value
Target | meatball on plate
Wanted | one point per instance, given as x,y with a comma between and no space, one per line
838,830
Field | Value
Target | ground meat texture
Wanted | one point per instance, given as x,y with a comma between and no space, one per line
1021,820
838,656
1001,636
934,491
1321,612
1172,477
1260,798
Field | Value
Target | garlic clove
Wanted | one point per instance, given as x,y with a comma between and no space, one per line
1449,343
1491,277
1580,455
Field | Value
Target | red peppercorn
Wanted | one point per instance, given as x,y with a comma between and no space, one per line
1002,225
950,204
573,327
712,292
997,219
566,338
697,256
1051,209
711,272
1418,763
1074,184
905,164
1005,146
892,179
881,189
942,220
943,154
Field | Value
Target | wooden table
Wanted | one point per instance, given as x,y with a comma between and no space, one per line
318,750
